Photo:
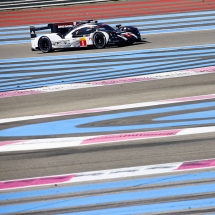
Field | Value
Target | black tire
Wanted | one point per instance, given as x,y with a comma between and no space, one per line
45,45
131,42
99,40
121,43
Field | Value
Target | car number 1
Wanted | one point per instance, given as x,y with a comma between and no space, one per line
83,42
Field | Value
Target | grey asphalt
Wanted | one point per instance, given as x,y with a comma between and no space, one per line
113,155
168,197
117,154
152,41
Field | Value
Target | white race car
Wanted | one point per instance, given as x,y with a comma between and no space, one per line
82,34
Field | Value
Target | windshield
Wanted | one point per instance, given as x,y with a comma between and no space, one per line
105,27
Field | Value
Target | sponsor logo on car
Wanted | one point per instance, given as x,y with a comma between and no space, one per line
65,26
61,42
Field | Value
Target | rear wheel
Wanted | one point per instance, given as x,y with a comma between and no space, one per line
131,42
121,43
99,40
45,45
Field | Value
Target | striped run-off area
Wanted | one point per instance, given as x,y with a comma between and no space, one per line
166,188
25,4
176,192
102,11
28,73
150,24
203,118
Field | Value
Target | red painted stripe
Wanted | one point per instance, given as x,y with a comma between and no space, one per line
10,142
95,11
109,15
103,174
35,181
112,6
76,18
130,136
197,164
117,10
97,6
71,11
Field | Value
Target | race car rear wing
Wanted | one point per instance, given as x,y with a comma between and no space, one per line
33,30
62,27
54,27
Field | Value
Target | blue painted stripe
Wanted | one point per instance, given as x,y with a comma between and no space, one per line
21,27
147,17
106,65
152,208
61,128
170,15
145,25
86,56
49,65
185,25
129,75
71,126
14,42
24,31
145,32
113,75
110,198
195,115
139,56
108,185
109,72
15,27
90,74
132,57
173,21
159,56
97,78
86,71
137,72
178,30
15,36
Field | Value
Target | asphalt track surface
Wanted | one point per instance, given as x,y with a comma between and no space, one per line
110,95
67,160
48,162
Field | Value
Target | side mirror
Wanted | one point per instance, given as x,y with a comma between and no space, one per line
118,26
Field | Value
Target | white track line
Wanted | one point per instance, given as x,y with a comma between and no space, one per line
108,174
48,143
51,143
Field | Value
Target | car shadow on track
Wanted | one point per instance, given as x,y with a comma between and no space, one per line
80,50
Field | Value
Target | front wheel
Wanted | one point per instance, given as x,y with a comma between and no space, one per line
99,40
45,45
